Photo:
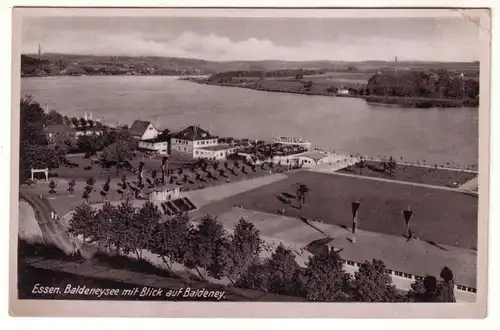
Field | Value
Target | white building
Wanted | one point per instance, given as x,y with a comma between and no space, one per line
143,130
157,145
343,91
217,152
164,193
195,142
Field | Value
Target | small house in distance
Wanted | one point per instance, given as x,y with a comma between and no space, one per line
196,142
164,193
52,132
149,138
143,130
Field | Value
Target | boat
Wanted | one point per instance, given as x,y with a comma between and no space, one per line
292,140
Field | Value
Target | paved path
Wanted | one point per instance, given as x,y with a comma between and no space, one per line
470,185
52,230
396,181
427,166
208,195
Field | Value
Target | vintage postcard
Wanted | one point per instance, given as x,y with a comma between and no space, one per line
181,162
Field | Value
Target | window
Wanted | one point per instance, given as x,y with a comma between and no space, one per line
461,287
407,275
398,273
351,263
418,277
388,271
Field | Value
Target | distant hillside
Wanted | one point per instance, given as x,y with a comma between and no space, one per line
64,64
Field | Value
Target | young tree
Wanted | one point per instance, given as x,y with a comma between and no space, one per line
256,277
302,191
372,283
325,278
82,222
424,290
447,285
90,182
106,187
102,227
283,272
244,248
124,181
122,237
52,186
143,226
86,195
170,239
118,154
206,242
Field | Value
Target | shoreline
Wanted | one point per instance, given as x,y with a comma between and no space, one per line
382,100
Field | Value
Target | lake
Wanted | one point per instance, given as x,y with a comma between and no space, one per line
347,125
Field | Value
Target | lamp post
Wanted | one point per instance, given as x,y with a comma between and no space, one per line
407,214
355,207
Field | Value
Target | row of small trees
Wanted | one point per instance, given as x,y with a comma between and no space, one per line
210,250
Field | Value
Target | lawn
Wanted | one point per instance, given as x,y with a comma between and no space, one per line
439,216
151,163
418,174
63,202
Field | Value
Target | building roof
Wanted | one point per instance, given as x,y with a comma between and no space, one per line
218,147
194,133
165,187
139,127
59,129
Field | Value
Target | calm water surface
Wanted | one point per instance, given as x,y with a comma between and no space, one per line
347,125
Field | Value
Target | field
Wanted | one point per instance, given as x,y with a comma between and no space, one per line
426,175
439,216
63,202
151,163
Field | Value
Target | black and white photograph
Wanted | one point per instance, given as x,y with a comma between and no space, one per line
218,156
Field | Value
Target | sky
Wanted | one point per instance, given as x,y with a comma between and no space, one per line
226,39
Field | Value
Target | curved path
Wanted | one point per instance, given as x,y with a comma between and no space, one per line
53,231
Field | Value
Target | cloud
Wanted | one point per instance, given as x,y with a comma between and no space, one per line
221,48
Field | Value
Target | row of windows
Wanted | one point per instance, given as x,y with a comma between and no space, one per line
206,142
203,153
410,276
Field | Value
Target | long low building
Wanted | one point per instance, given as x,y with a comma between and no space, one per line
405,261
220,151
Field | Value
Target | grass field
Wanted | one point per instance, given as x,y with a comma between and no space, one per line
425,175
96,171
439,216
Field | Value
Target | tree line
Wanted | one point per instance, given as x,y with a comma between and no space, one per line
440,84
117,145
212,251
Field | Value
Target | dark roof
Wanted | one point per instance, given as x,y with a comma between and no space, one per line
194,133
59,129
139,127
